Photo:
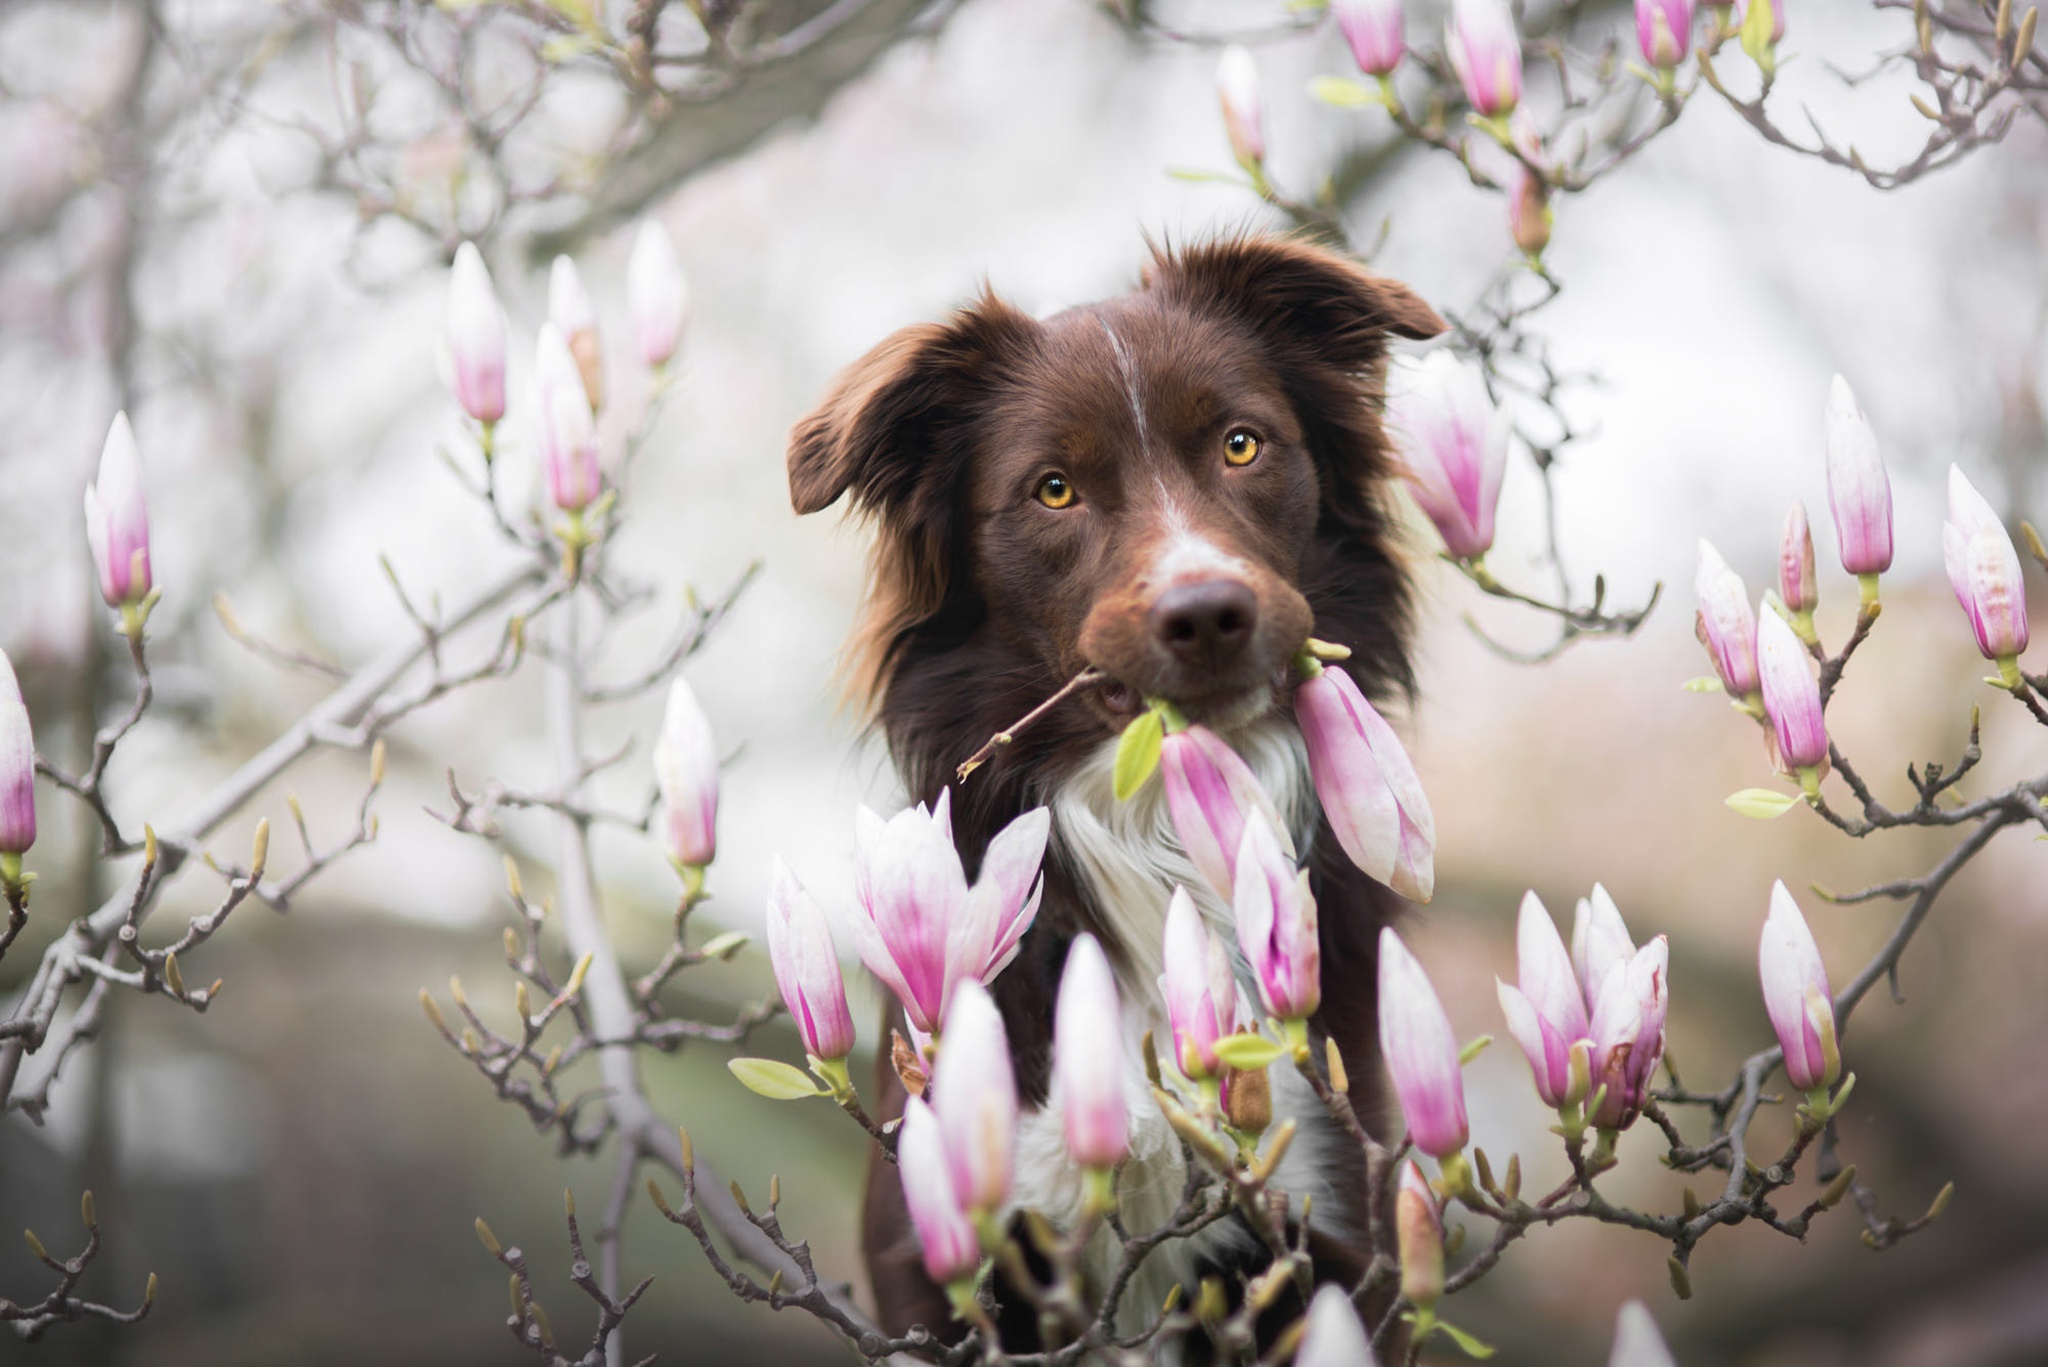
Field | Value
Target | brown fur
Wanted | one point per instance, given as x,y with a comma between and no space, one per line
982,601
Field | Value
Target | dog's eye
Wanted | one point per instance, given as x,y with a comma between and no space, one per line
1240,447
1055,491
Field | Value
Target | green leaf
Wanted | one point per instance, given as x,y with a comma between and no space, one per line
724,946
776,1081
1247,1052
1203,177
1705,683
1137,752
1344,93
1471,1346
1762,804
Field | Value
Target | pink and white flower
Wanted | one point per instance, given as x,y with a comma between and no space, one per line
656,293
1726,623
568,428
1209,788
945,1236
1796,995
1369,789
17,767
1421,1052
1237,86
476,337
1791,696
1276,923
1198,986
1547,1013
807,967
686,772
1486,52
1984,570
1454,449
117,519
1373,29
1088,1058
1859,490
974,1095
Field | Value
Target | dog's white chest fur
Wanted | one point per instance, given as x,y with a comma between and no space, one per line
1129,861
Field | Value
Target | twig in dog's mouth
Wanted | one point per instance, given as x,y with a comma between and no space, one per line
1087,678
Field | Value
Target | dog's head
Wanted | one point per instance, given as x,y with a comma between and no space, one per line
1160,485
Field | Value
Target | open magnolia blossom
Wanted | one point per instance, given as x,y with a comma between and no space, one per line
1276,923
1369,789
1627,1000
1209,788
1547,1012
919,927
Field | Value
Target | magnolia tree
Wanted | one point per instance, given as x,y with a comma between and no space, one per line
1533,105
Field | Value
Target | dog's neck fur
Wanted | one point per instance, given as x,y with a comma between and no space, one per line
1127,860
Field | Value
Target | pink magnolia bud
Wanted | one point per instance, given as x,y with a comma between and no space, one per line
1209,788
974,1095
1796,995
686,771
570,310
476,337
1664,31
1627,1030
1636,1340
117,519
1421,1051
944,1233
1198,988
1373,28
807,968
1276,923
568,430
1334,1336
1859,491
656,294
1796,582
1419,1233
1237,85
1791,695
1369,788
1726,624
1547,1013
1088,1058
1454,449
921,929
1984,570
17,767
1486,52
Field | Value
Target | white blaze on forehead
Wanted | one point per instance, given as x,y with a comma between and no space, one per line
1186,554
1128,368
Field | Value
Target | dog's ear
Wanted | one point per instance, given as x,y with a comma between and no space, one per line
896,417
1300,297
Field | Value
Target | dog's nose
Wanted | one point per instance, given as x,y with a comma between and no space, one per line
1208,623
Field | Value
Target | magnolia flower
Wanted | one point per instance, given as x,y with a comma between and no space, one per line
1796,995
568,429
1370,792
656,294
1237,86
1088,1058
1198,987
1791,696
1547,1013
1209,788
1636,1340
686,771
1373,28
1664,31
1334,1336
974,1095
1276,923
1796,584
476,337
807,968
944,1233
1726,625
1486,53
1422,1053
1627,1001
921,929
1419,1232
1859,491
117,519
17,767
1627,1030
570,310
1984,570
1454,449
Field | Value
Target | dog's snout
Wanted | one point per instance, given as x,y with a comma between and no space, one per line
1209,623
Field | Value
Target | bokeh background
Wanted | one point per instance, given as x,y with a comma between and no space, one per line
182,234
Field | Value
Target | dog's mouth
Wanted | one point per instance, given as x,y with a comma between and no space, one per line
1223,707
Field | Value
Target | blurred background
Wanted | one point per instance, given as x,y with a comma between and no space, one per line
231,218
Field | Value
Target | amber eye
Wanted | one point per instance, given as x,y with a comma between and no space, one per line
1240,447
1055,491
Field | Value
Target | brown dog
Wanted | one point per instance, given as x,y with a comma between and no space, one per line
1174,486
